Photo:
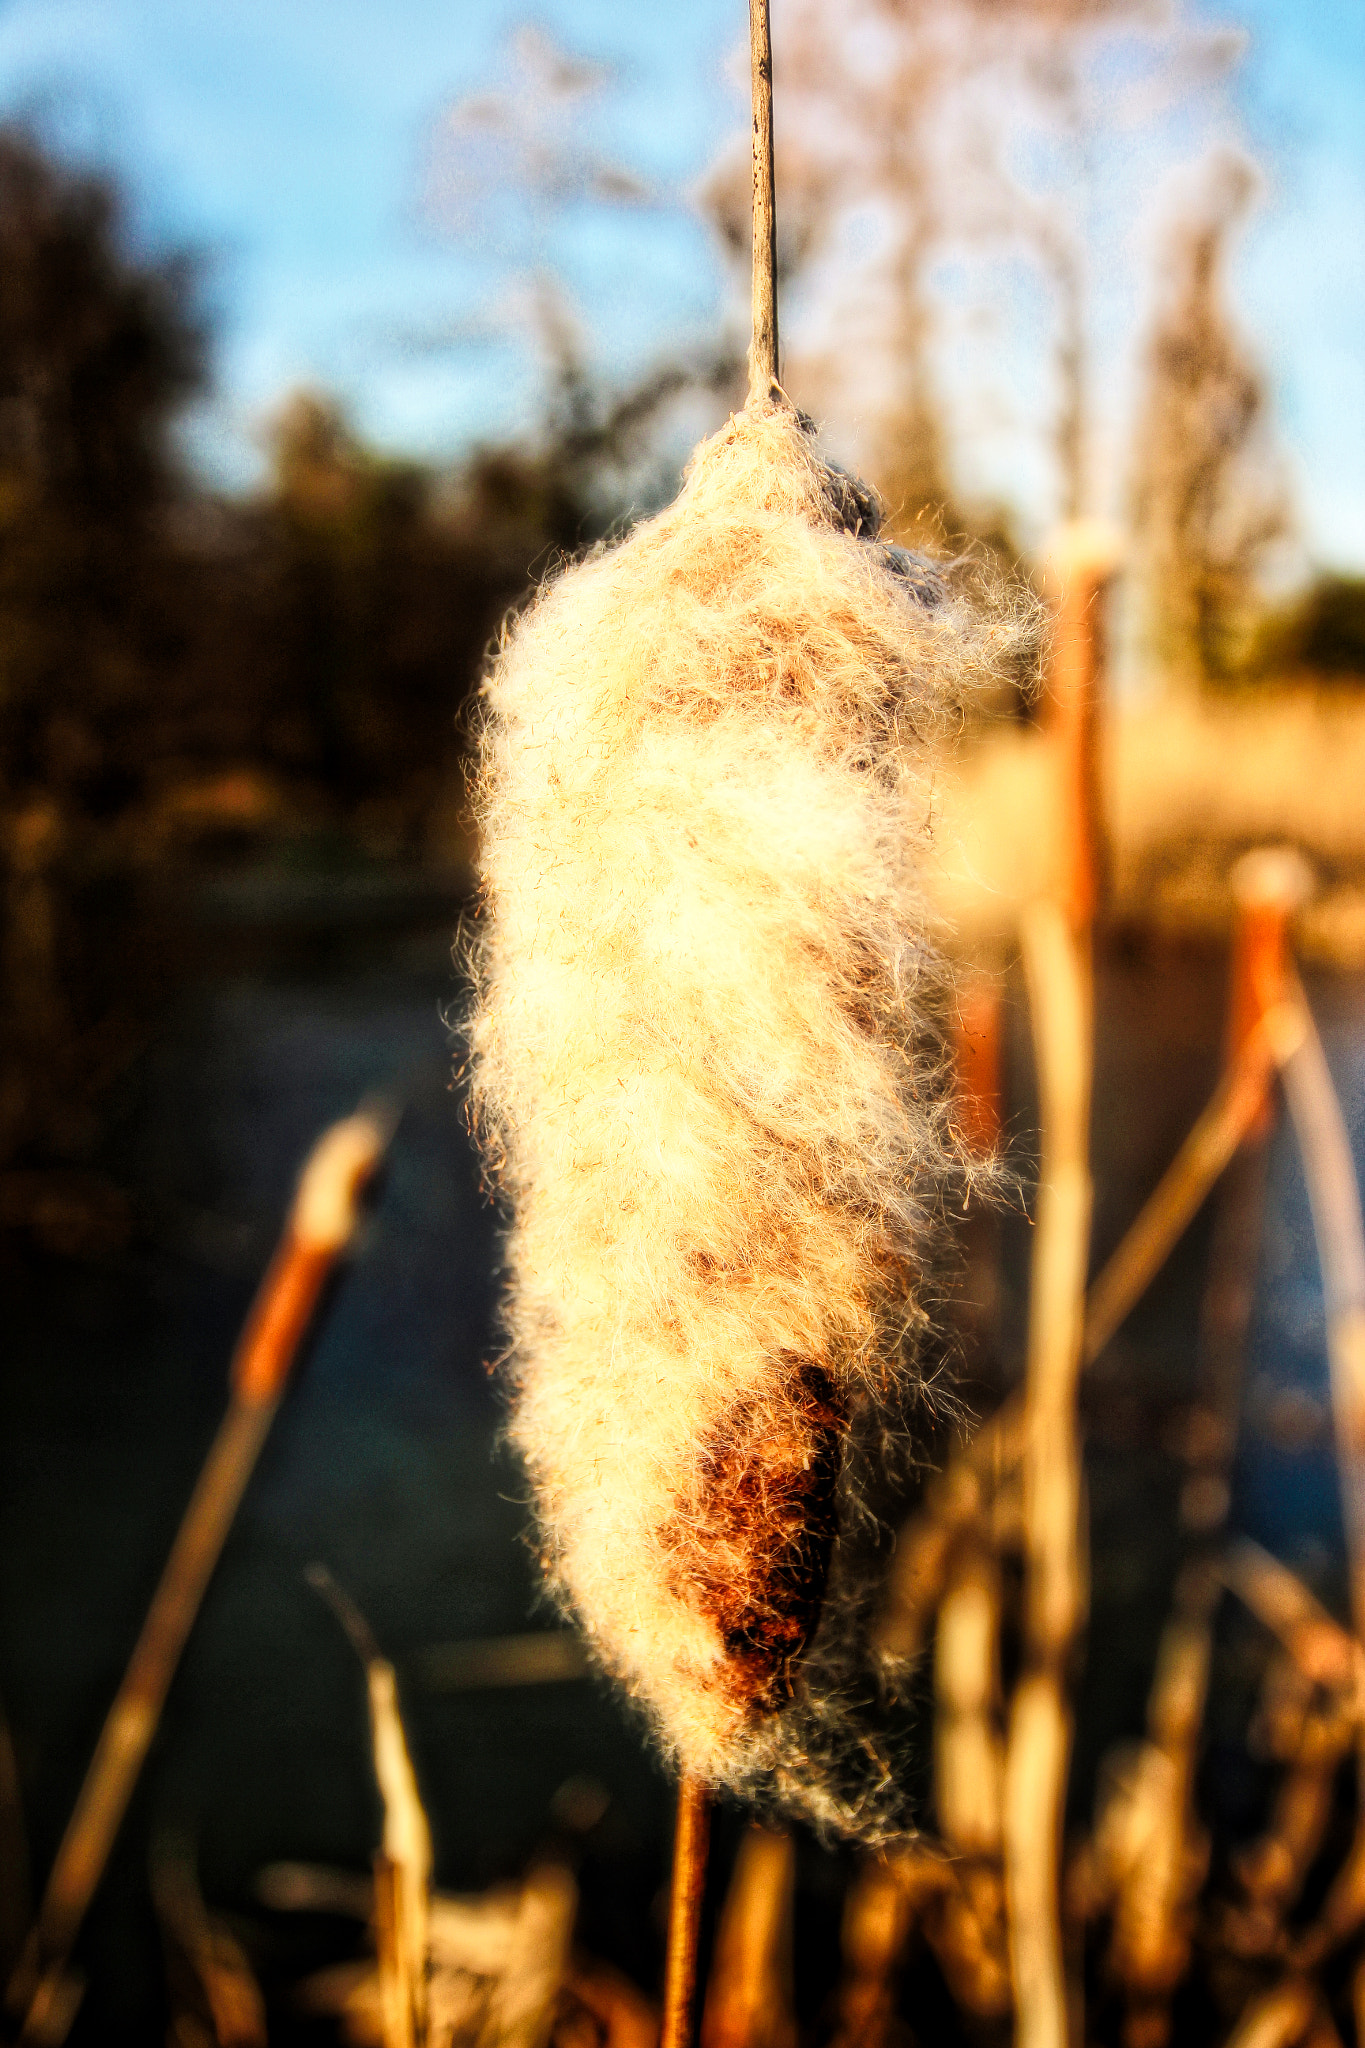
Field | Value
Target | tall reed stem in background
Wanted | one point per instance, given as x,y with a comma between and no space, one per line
321,1225
1058,969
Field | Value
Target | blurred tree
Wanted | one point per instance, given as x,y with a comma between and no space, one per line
1321,635
183,677
97,353
97,350
1210,496
939,160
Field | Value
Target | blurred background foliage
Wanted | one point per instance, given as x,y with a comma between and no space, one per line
224,706
186,676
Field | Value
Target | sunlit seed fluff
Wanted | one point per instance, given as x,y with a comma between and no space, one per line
696,1065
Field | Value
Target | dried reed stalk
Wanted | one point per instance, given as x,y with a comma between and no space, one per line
204,1951
956,1500
763,381
1231,1115
1309,1731
749,2000
402,1869
956,1904
522,2013
402,1865
1058,971
880,1908
1324,1652
1158,1854
1082,558
1334,1198
978,1470
623,2013
321,1226
1291,2015
968,1755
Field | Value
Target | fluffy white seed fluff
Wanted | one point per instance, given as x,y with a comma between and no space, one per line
698,1067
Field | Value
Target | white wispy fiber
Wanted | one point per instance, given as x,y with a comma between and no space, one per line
699,1066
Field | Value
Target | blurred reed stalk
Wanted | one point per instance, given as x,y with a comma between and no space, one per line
978,1471
321,1226
1334,1198
215,1997
749,1999
1056,935
1082,557
1057,965
1157,1887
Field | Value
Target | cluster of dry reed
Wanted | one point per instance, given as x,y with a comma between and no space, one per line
1020,1921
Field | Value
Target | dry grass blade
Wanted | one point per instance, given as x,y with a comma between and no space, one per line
956,1500
1309,1731
402,1867
1083,556
406,1851
522,2010
215,1996
1040,1730
749,2001
1325,1653
1148,1841
1289,2016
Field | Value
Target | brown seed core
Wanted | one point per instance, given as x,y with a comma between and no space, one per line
756,1539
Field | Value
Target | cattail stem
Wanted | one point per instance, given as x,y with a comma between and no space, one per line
690,1842
320,1228
763,350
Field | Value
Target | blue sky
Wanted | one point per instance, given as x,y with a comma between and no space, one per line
292,143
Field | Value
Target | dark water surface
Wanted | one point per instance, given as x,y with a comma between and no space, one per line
384,1463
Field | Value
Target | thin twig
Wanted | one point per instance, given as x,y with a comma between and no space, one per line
763,384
